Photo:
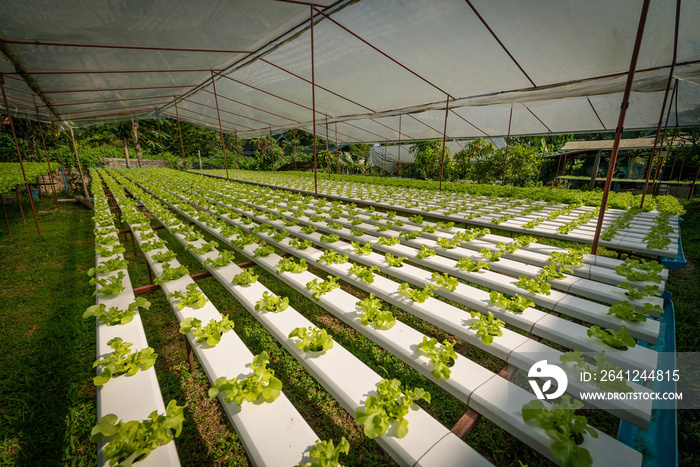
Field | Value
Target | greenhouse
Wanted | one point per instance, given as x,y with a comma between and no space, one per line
349,232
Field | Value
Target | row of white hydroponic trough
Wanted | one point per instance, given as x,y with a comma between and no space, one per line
651,233
275,434
444,315
118,322
556,301
514,349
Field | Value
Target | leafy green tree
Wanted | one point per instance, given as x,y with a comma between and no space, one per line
474,159
427,157
267,153
522,164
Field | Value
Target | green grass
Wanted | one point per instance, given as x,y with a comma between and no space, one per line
684,284
47,399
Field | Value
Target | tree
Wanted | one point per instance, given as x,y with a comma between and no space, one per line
521,166
292,144
268,153
137,145
428,156
475,158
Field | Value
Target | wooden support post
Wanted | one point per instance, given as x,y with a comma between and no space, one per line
80,166
41,195
19,153
60,156
46,153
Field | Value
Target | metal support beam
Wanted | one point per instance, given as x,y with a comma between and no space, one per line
663,139
160,138
444,140
398,169
663,106
328,154
221,130
505,160
313,100
620,123
179,130
238,155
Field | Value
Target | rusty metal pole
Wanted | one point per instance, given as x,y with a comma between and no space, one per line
221,130
238,156
328,154
337,158
386,142
182,144
80,166
398,169
272,149
692,187
659,166
558,165
505,160
673,168
663,106
19,153
444,140
160,138
546,147
620,124
663,139
46,153
313,99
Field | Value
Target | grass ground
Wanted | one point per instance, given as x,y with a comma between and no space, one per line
47,400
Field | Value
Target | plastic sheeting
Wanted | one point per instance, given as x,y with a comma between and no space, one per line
384,69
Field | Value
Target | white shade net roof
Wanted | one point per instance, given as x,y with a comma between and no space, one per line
384,70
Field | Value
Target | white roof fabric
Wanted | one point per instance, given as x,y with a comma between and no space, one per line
384,69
